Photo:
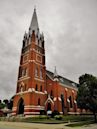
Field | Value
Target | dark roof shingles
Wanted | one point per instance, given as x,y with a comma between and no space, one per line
63,80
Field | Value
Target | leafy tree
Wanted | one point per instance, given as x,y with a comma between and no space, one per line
5,101
87,93
10,104
2,105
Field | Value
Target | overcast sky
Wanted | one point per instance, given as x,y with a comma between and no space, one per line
70,30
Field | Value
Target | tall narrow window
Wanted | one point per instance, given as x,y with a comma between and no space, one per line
36,88
17,88
41,74
51,94
20,72
70,99
36,72
39,101
26,43
23,43
24,72
41,88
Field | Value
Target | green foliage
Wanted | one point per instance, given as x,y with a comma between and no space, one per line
2,105
54,113
87,93
44,119
58,117
79,124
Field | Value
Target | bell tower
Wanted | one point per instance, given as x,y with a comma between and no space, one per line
31,83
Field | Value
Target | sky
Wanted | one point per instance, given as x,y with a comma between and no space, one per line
70,32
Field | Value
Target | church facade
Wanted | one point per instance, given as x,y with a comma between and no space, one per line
39,90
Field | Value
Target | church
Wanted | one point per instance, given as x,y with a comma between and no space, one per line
39,90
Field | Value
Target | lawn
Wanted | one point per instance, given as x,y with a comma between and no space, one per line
71,120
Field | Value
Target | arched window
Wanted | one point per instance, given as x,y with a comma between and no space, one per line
36,88
36,72
70,99
39,101
41,74
41,88
24,72
49,107
51,94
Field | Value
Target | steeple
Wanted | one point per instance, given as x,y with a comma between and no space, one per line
55,75
34,22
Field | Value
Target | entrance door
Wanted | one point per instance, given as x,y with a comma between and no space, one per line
21,106
49,107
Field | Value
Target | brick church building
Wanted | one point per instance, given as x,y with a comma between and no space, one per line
39,90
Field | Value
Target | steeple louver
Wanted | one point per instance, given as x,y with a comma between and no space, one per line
34,23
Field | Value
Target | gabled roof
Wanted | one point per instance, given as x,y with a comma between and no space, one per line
62,80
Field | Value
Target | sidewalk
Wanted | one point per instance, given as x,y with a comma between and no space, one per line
22,125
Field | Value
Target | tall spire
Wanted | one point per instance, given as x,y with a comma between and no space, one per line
34,22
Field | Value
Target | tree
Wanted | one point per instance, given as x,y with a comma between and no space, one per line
5,101
2,105
87,93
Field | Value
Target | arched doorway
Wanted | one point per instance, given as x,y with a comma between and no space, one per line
20,106
49,107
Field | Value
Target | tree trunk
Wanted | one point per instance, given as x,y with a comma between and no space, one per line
95,120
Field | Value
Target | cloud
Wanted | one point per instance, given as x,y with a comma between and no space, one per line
70,29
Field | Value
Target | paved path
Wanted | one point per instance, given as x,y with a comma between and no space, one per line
19,125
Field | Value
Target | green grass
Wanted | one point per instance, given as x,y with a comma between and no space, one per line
79,124
59,119
79,119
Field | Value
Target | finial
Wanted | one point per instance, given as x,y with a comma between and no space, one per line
55,72
34,8
55,75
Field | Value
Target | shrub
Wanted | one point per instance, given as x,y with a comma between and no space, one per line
55,112
42,112
58,117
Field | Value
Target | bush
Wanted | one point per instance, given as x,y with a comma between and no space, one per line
42,112
54,113
58,117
